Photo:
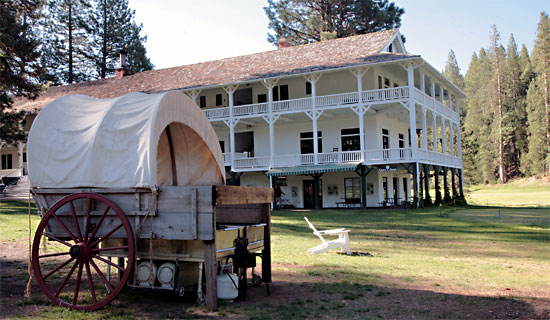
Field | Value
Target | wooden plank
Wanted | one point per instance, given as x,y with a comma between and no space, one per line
180,198
68,191
266,253
240,214
228,195
210,268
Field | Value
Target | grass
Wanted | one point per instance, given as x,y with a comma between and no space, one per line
465,254
518,193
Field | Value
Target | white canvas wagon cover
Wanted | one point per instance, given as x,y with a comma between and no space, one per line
136,140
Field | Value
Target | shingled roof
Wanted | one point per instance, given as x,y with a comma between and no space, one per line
318,56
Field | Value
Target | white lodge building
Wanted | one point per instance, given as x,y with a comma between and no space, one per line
354,120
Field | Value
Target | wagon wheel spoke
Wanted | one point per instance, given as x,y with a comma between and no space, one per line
96,229
77,286
109,248
66,280
106,236
69,233
58,268
88,215
108,262
101,275
56,239
53,255
90,282
75,220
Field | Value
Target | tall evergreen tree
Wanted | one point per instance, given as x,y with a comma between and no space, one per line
497,61
452,71
538,101
65,42
113,31
303,21
18,64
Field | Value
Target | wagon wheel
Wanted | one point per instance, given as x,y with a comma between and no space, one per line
74,275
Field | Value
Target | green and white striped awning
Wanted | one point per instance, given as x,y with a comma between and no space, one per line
321,168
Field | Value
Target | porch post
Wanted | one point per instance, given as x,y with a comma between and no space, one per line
437,200
232,122
461,183
441,94
363,187
446,191
433,88
427,198
422,83
434,131
193,94
412,122
20,146
359,73
269,84
458,143
452,138
313,80
453,182
443,136
415,185
424,129
450,98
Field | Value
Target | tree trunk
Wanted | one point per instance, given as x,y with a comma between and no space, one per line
547,109
501,172
104,44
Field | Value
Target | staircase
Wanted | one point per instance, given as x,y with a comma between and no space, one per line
19,191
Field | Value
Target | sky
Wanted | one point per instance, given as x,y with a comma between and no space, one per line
181,32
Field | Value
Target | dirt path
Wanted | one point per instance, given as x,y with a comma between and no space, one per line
293,295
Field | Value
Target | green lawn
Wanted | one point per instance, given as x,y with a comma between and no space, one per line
519,193
465,256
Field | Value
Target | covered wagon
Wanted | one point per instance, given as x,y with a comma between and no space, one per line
131,194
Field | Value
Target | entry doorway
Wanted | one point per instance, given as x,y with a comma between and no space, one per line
244,143
395,190
308,194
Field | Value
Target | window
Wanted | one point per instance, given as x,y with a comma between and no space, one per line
202,101
222,146
386,143
379,82
306,142
405,190
7,161
276,93
219,99
262,98
283,92
308,87
242,96
24,157
386,83
351,139
385,187
352,190
401,145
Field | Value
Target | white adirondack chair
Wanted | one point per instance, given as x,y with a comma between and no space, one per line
341,243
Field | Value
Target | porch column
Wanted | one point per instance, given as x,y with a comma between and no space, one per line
415,184
412,122
443,136
425,130
461,183
427,197
270,119
360,110
313,78
458,141
434,131
453,182
422,83
20,146
437,200
450,99
193,94
363,186
446,192
452,138
231,123
433,88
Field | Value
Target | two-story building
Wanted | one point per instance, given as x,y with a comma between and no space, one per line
351,121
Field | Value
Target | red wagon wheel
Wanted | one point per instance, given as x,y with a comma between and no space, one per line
73,275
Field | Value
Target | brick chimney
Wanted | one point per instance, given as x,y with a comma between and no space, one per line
122,71
283,43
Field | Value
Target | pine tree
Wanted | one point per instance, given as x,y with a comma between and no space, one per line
497,52
538,101
452,71
114,31
65,46
18,64
303,21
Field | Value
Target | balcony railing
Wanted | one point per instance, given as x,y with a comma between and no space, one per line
435,105
342,99
387,155
440,158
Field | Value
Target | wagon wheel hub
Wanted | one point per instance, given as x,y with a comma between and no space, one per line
80,251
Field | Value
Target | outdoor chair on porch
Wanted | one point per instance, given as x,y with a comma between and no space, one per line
341,243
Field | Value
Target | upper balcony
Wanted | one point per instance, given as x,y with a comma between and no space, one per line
304,104
379,96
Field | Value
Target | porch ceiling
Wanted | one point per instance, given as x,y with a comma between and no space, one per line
311,169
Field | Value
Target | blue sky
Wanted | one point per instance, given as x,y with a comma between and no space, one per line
184,32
